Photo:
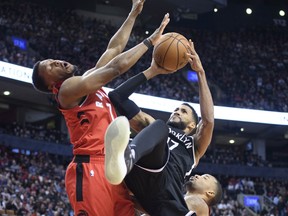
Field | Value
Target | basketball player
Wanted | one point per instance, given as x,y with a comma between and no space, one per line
202,192
161,154
87,111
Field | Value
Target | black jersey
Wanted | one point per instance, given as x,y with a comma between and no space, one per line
181,151
160,191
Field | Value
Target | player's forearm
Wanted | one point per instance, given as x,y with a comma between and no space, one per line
121,37
96,78
120,96
123,62
206,100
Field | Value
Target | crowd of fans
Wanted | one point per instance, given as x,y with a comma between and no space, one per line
32,184
245,67
234,155
275,192
37,132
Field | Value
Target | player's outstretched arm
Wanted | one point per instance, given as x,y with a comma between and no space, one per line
119,41
205,127
79,86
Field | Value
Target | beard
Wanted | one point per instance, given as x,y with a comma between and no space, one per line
188,186
179,125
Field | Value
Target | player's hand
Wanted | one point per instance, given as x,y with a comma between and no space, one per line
159,31
194,59
159,70
137,6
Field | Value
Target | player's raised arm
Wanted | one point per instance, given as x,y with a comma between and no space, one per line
205,128
118,42
76,87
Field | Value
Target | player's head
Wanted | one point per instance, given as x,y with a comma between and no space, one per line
184,118
49,72
206,186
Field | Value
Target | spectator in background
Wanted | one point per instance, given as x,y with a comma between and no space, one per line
29,193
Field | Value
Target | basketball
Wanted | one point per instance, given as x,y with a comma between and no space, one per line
170,51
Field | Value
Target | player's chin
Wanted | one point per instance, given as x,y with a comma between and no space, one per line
188,185
74,69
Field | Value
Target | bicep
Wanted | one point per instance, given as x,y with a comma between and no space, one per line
140,121
107,56
203,137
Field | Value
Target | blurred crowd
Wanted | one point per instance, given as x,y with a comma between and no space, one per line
32,184
246,68
274,192
37,132
234,155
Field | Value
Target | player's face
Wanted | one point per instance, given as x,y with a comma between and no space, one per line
56,70
180,117
201,183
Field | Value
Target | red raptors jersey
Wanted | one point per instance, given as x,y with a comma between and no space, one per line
87,123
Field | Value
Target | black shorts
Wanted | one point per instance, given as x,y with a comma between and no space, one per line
159,192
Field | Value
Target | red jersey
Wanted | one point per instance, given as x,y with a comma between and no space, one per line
87,123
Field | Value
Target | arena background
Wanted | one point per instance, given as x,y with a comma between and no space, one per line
260,150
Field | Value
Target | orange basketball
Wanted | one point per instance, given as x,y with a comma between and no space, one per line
170,51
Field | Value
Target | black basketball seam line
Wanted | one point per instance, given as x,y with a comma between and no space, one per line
168,37
167,50
179,41
176,36
171,35
177,55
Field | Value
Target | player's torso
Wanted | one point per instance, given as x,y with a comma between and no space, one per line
87,123
181,151
167,191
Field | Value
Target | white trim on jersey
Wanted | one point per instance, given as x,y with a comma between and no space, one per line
191,213
194,164
86,97
156,170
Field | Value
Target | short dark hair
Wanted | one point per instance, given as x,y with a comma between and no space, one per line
38,81
218,194
195,115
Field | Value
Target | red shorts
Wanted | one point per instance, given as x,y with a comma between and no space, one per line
90,193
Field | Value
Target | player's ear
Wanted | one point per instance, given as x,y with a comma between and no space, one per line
191,126
210,194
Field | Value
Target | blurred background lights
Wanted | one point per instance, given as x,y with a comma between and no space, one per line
249,11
